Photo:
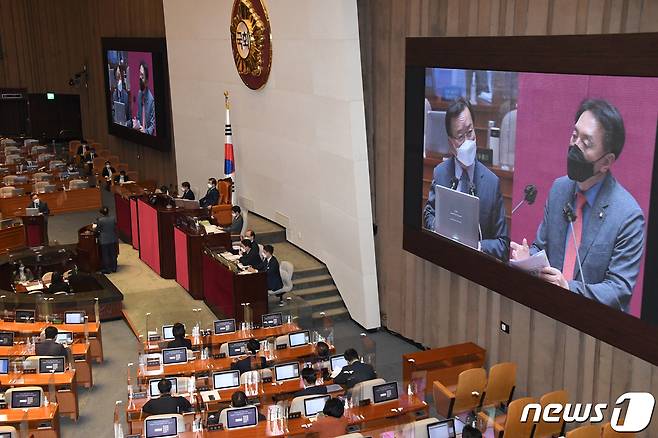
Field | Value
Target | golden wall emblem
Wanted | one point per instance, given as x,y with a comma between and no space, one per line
251,41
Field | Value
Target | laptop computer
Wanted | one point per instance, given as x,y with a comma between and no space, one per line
31,211
457,216
441,429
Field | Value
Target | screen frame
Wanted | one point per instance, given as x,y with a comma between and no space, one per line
438,423
308,336
228,427
397,392
75,312
159,82
8,363
172,349
20,391
271,314
573,54
164,338
32,312
61,359
172,380
228,348
326,397
11,334
331,361
159,419
276,374
225,372
214,326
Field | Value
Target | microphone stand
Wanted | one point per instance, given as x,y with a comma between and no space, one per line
570,216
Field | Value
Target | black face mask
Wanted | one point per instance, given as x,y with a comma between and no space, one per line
142,85
578,168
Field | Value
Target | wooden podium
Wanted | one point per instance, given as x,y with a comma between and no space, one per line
89,255
36,229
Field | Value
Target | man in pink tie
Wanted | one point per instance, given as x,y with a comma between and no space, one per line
593,228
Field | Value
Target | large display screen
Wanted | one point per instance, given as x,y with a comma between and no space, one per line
545,172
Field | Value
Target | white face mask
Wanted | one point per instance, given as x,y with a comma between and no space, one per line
183,189
107,165
466,153
36,201
209,186
120,85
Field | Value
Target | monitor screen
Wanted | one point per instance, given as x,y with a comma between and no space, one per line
442,429
272,319
241,417
338,362
385,392
237,348
25,315
228,379
25,399
224,326
161,427
286,371
299,339
51,364
5,434
74,317
313,405
167,332
4,365
153,386
174,355
64,338
6,339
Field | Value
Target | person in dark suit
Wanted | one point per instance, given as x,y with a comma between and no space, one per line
271,266
49,347
355,372
186,192
121,177
236,222
166,403
120,94
239,400
249,234
107,239
463,172
41,205
179,337
82,149
89,160
107,173
607,221
212,195
57,284
251,362
310,388
145,121
251,256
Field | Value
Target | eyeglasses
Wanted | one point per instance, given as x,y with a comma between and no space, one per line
470,134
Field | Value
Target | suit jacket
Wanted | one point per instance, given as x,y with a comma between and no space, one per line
146,105
106,227
236,225
355,373
58,287
50,348
274,281
43,207
211,198
89,157
122,96
311,390
117,179
495,237
244,365
611,244
252,258
183,342
106,173
188,195
166,404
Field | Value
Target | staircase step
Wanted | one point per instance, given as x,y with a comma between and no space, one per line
322,291
271,237
312,272
316,280
335,313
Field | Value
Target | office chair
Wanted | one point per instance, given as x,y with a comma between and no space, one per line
286,269
363,390
608,432
544,429
465,396
500,384
590,431
509,424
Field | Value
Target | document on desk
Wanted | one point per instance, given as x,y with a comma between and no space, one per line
532,264
34,287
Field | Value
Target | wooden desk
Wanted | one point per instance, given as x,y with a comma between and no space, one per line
12,237
442,364
89,255
36,417
36,228
65,385
59,202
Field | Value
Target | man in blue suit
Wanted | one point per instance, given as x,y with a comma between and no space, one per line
465,173
145,121
120,94
608,224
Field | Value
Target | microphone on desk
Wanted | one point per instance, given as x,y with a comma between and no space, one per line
454,182
570,217
530,194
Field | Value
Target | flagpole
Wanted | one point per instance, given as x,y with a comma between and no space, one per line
229,157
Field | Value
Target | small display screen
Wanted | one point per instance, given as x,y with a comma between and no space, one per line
237,348
161,427
6,339
64,338
174,355
25,399
74,317
25,315
4,365
51,364
272,319
443,429
385,392
314,405
229,379
299,339
287,371
242,417
155,391
167,332
224,326
338,362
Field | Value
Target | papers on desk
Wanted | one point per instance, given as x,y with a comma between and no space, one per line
231,257
212,229
532,264
30,286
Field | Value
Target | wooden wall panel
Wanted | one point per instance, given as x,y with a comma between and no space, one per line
429,304
45,42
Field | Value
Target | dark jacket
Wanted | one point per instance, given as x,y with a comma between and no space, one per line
58,287
211,198
50,348
106,227
117,179
166,404
311,390
244,365
43,207
236,225
180,342
355,373
189,195
252,258
106,173
274,281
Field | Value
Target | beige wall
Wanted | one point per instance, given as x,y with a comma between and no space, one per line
300,142
429,304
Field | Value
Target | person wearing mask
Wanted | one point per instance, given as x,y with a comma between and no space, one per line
120,94
271,265
236,221
49,347
186,191
23,274
107,173
463,172
252,361
212,195
82,149
166,403
608,223
310,388
106,226
43,209
179,337
145,121
322,360
121,177
89,160
251,256
331,423
57,284
355,371
239,400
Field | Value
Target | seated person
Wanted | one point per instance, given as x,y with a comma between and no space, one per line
236,221
310,388
186,191
251,256
121,177
23,274
57,284
179,337
239,400
49,347
251,362
331,422
355,372
322,358
82,149
107,173
271,265
470,432
166,404
250,235
212,195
